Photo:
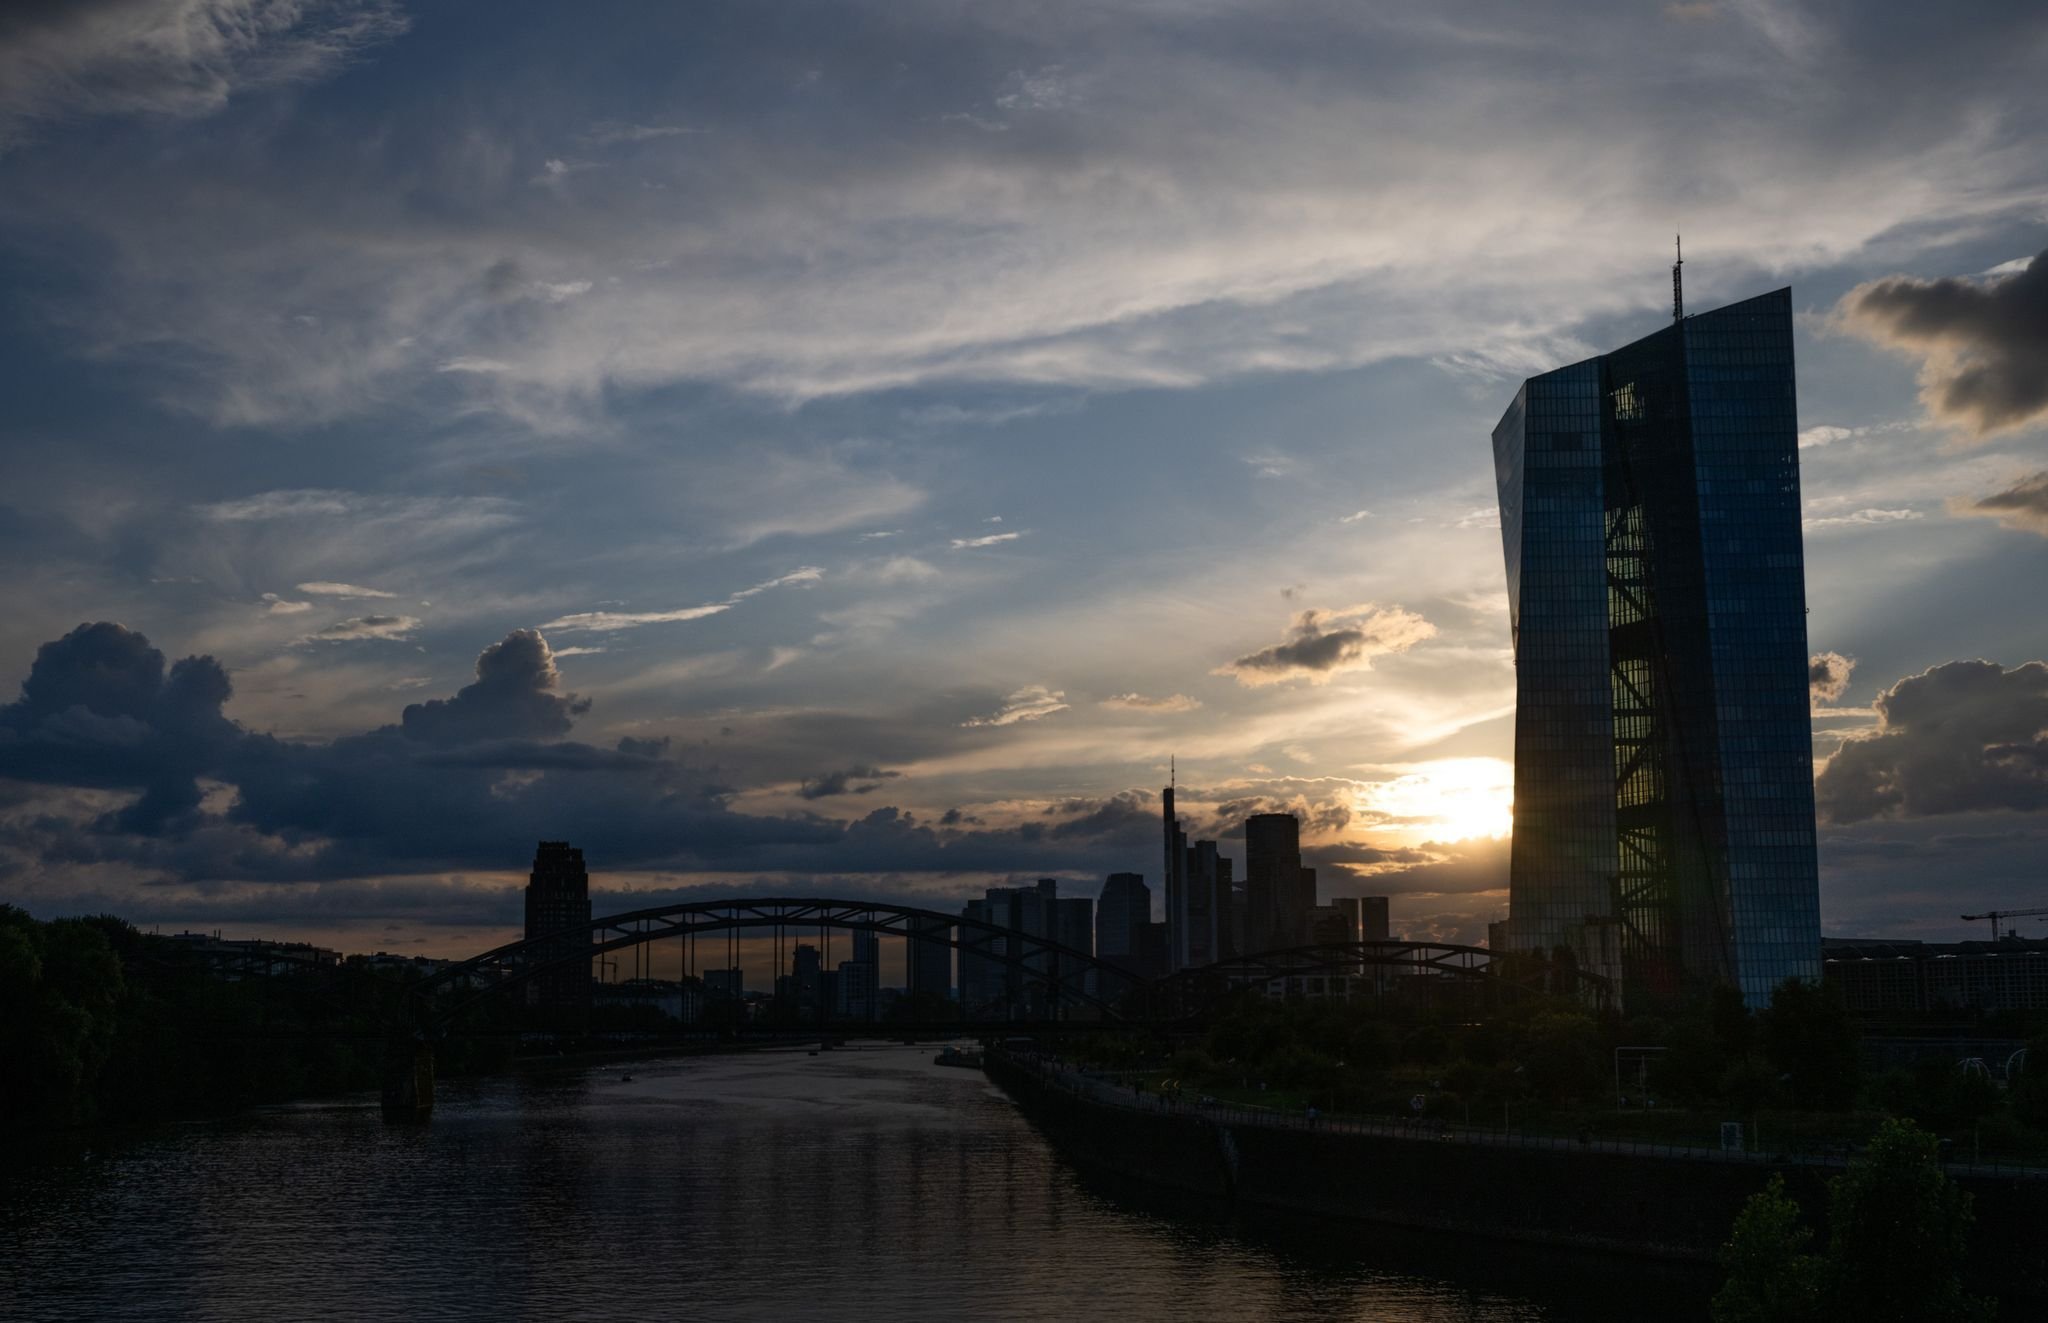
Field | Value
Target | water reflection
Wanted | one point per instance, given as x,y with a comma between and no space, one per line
861,1183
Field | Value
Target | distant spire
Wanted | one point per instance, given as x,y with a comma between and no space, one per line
1677,284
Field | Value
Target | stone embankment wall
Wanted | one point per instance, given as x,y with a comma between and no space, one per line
1594,1197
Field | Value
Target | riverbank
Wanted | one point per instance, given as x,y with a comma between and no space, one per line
1642,1201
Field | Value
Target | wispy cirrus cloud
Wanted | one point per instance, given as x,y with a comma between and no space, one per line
1142,703
324,588
366,627
616,620
987,540
133,57
1031,703
1861,519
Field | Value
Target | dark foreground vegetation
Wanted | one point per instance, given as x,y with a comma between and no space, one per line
1898,1238
101,1024
1792,1075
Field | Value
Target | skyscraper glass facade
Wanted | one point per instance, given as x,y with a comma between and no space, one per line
1650,517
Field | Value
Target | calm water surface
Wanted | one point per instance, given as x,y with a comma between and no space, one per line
861,1183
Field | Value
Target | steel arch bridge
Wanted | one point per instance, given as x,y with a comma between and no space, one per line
1059,976
1383,965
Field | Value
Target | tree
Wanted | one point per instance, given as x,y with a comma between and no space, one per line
1811,1041
1771,1276
1565,1054
1899,1233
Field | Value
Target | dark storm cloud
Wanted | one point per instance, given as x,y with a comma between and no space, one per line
2023,505
1322,643
1965,736
461,783
1827,676
513,697
98,709
1983,347
857,780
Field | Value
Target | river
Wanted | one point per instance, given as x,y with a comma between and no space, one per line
864,1182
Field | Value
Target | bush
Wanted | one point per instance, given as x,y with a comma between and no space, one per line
1771,1276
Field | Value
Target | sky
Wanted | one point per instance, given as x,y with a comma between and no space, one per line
850,449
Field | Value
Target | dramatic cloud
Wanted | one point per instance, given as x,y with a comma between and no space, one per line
613,620
1962,737
1027,704
2024,505
1827,676
368,627
321,588
98,709
1140,703
61,59
1325,643
1983,345
513,697
859,780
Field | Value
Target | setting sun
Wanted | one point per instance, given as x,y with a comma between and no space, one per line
1450,799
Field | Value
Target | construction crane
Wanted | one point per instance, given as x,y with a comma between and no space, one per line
1996,915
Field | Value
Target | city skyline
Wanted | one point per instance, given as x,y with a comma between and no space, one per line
546,442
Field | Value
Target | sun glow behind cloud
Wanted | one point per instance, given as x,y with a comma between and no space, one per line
1448,799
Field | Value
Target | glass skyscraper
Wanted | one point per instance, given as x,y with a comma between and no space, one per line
1650,515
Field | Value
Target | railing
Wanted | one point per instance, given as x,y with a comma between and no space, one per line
1100,1089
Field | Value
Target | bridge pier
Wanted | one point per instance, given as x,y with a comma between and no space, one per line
408,1080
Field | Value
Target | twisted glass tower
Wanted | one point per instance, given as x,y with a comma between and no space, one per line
1650,516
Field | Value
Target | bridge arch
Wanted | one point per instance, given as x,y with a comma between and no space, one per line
1060,972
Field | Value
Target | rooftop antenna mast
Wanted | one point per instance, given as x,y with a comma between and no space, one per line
1677,284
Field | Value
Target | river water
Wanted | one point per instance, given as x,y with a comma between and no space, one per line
864,1182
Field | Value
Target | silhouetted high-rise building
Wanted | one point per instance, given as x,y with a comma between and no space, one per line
1368,916
1126,905
930,961
860,979
1330,925
1650,515
1205,888
807,978
1174,879
981,963
1275,913
558,906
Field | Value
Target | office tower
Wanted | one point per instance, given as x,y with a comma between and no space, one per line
1330,925
725,984
930,963
1205,890
558,899
1650,517
860,979
1372,919
1175,879
1125,907
807,977
1274,915
1074,927
1497,935
981,965
1305,891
